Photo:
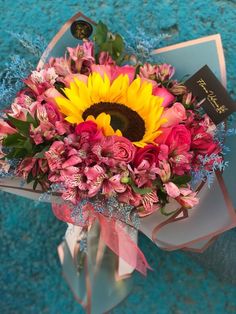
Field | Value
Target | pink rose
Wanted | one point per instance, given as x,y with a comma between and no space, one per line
113,150
149,153
87,126
174,115
122,149
165,94
177,138
90,129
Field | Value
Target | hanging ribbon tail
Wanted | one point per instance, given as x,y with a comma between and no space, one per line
112,233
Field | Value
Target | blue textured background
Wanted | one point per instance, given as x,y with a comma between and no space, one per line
30,278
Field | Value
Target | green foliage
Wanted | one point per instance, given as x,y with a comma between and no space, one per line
20,143
181,180
23,126
141,191
165,213
162,196
106,41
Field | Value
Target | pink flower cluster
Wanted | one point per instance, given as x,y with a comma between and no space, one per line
86,162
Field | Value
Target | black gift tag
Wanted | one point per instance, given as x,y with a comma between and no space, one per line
216,101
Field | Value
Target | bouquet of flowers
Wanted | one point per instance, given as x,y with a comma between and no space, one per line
111,142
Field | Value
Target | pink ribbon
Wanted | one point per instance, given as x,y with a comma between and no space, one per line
112,234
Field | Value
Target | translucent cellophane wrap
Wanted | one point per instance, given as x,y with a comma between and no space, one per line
93,275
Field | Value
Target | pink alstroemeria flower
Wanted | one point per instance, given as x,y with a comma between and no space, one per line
144,173
181,163
55,155
149,71
149,202
95,176
165,71
75,179
40,81
164,171
105,58
82,56
129,197
60,65
25,167
187,198
71,195
5,128
172,190
113,185
50,95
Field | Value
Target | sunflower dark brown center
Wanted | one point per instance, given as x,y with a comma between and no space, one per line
123,118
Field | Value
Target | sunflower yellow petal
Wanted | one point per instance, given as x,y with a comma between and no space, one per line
136,96
67,107
74,119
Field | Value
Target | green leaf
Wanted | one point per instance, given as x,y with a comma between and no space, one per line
22,126
107,46
12,139
30,178
31,120
17,153
41,154
28,145
100,33
162,195
141,191
112,43
181,180
35,184
137,70
118,45
165,213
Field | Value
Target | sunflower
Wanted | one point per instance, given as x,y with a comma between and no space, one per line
118,107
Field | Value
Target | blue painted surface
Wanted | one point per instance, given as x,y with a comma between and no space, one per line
30,278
